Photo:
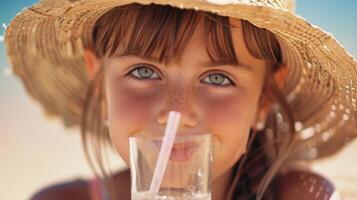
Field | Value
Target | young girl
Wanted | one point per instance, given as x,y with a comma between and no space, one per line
272,90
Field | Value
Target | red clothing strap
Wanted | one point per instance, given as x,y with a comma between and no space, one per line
94,189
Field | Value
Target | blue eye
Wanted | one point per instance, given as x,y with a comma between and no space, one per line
218,79
142,73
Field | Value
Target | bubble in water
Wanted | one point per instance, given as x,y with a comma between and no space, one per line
191,188
199,173
185,196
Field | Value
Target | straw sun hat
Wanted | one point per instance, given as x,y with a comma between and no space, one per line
45,46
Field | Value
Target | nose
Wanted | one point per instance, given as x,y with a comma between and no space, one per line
180,100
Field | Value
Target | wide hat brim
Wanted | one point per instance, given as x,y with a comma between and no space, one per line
45,46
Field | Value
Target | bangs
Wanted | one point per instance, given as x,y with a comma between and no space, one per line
145,30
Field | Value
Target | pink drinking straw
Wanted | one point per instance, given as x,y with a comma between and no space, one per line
165,151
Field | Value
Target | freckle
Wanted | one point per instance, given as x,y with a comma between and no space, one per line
176,97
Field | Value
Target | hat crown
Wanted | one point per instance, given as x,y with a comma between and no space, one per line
279,4
58,7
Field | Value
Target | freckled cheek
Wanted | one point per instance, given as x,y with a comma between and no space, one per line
227,116
128,114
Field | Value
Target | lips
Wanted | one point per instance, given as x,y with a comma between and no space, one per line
182,151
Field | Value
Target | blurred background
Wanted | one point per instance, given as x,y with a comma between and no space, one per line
36,151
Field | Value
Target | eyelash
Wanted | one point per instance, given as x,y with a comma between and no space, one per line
137,76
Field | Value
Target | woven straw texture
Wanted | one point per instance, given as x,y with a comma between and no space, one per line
45,47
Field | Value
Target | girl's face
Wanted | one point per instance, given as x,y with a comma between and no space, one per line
218,99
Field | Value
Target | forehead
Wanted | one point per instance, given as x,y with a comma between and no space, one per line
199,39
195,52
160,28
197,47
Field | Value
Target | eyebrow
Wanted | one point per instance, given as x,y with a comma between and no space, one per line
207,64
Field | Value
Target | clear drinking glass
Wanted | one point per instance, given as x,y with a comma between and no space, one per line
188,172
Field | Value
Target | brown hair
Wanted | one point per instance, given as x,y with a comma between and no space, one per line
168,31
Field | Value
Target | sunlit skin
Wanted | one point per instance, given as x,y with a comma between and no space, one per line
140,107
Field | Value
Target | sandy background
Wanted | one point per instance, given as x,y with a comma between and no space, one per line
36,151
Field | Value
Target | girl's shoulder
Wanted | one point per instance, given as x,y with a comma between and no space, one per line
74,189
304,184
81,189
